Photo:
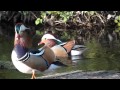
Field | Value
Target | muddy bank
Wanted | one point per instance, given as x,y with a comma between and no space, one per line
84,75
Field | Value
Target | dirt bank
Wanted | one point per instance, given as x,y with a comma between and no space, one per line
84,75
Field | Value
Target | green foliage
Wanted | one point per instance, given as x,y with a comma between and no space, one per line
64,15
118,24
117,21
89,12
39,33
92,12
65,36
43,14
38,21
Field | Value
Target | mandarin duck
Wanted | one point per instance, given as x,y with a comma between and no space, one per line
25,60
69,46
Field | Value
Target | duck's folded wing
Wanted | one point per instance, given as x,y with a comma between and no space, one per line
37,52
69,45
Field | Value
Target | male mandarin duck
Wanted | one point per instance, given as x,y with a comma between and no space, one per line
25,60
66,47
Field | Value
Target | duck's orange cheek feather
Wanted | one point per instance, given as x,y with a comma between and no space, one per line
51,43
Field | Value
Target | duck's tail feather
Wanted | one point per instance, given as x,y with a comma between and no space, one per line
78,46
69,45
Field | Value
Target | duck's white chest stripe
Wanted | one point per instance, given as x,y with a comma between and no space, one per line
25,57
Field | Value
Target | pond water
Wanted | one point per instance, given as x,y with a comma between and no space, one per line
15,74
76,64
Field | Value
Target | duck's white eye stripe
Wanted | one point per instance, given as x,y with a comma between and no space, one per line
15,29
22,28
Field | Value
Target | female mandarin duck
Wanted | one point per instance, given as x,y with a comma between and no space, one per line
25,60
66,47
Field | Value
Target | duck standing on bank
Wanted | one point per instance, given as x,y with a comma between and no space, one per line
25,60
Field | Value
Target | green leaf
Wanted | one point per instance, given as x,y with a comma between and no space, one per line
118,24
65,19
37,22
43,15
116,21
116,30
65,34
49,12
116,18
74,20
37,32
119,28
119,17
91,12
38,18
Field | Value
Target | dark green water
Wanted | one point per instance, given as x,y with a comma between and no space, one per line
13,74
79,64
